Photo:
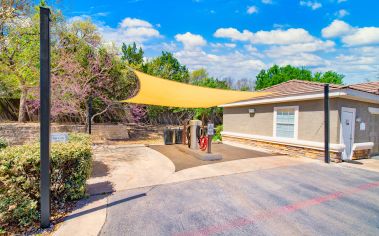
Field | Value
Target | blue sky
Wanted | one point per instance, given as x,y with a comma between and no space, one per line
239,38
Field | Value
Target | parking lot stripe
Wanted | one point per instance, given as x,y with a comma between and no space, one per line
266,215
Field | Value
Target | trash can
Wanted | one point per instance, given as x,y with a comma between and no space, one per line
168,136
178,136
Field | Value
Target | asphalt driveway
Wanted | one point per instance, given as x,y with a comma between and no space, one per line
306,199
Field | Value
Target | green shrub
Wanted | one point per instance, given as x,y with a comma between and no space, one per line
3,143
218,130
20,178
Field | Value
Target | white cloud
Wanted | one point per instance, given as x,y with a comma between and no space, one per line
235,65
253,51
314,5
336,28
141,32
190,40
129,30
251,48
78,18
231,63
161,46
251,10
342,13
230,45
358,64
233,34
223,45
301,59
352,36
267,1
134,22
293,49
288,36
362,36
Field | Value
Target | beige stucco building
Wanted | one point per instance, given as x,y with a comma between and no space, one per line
291,119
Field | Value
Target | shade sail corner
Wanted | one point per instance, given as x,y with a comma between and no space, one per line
163,92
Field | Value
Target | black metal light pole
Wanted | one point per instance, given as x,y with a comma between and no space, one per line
45,116
89,114
327,123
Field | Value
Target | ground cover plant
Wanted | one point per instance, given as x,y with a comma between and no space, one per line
218,130
3,143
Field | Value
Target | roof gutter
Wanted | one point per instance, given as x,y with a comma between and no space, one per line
343,93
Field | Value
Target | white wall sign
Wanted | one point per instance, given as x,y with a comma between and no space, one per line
59,137
211,129
362,126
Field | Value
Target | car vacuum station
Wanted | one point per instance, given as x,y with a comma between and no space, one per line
197,137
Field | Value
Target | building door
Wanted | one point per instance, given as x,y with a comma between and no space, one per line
347,130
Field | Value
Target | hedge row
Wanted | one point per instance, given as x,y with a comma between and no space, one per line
20,178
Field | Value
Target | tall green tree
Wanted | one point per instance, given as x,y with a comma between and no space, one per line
168,67
19,52
328,77
131,54
200,78
198,75
276,75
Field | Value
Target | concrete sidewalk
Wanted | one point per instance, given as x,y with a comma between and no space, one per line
120,167
365,164
87,219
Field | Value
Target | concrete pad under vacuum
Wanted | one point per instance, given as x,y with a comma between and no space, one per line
201,155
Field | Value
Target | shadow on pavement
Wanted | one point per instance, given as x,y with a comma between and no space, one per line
99,169
96,198
354,162
100,188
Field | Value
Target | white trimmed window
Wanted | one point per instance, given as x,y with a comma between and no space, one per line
286,122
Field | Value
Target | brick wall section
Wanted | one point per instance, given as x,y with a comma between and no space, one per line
20,133
285,149
361,154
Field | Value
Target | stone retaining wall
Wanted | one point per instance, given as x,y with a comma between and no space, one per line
20,133
285,149
361,154
111,132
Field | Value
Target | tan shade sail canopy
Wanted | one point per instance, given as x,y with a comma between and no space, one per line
163,92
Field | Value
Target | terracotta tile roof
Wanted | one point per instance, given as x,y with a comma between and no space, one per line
301,87
297,87
370,87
